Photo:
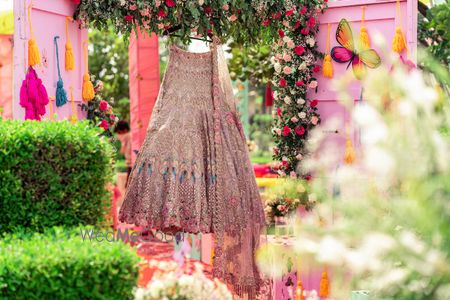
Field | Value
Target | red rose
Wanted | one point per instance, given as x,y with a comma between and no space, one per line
314,103
311,22
303,10
279,112
300,83
299,50
281,33
170,3
289,12
286,130
300,130
103,105
76,1
104,124
297,25
308,177
282,82
316,69
266,22
305,31
162,13
285,164
128,18
276,15
208,10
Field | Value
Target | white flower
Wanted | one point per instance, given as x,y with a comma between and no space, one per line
286,39
302,66
287,100
273,60
201,2
310,41
300,157
275,95
302,115
277,67
301,101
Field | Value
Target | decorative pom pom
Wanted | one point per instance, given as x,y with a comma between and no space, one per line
398,43
88,88
70,61
349,156
324,290
61,95
299,291
364,38
34,58
327,67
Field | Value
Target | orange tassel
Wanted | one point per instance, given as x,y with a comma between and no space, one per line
349,155
364,40
299,291
327,66
74,116
34,57
88,92
324,290
398,43
70,61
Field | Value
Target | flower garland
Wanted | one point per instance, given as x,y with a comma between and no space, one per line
295,65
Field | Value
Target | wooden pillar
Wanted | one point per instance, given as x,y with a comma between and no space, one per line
144,84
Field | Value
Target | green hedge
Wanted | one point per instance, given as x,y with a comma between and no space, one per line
60,265
52,173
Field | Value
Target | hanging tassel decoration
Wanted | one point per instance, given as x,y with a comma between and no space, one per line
299,291
327,67
349,155
269,94
70,61
61,95
33,96
34,58
88,87
74,116
363,35
324,289
398,42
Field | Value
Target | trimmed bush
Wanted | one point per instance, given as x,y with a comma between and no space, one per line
60,265
52,173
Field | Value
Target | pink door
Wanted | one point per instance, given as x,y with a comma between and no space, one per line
48,20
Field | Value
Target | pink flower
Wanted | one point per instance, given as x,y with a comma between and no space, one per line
225,7
316,69
299,83
314,103
300,130
314,120
103,105
162,13
311,22
232,18
276,15
133,7
170,3
312,84
281,33
290,44
278,131
289,12
281,208
305,31
276,151
128,18
294,119
282,82
299,50
303,10
286,130
287,57
76,1
293,174
104,124
287,70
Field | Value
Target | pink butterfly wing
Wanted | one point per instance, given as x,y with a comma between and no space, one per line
341,54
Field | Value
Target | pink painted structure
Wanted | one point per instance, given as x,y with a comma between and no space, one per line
144,84
379,17
49,20
6,74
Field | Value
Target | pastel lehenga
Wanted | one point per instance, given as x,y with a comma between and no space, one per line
193,171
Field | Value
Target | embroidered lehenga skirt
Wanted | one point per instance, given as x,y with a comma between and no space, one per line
193,171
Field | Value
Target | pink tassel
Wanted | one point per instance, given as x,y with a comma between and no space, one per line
33,96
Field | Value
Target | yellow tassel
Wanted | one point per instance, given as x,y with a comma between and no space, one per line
70,60
364,38
349,156
299,291
327,68
74,116
398,43
324,290
88,88
34,58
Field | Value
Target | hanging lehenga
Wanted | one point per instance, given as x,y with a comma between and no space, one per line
193,172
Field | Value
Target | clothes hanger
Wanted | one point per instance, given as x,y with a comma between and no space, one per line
170,32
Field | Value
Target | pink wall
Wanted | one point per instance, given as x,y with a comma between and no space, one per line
144,84
6,73
379,16
49,19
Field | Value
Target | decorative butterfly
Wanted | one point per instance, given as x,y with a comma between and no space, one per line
348,52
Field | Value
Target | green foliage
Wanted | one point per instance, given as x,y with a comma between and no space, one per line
60,265
108,62
260,133
434,33
52,173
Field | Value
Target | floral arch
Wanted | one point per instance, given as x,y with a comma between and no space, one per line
290,25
